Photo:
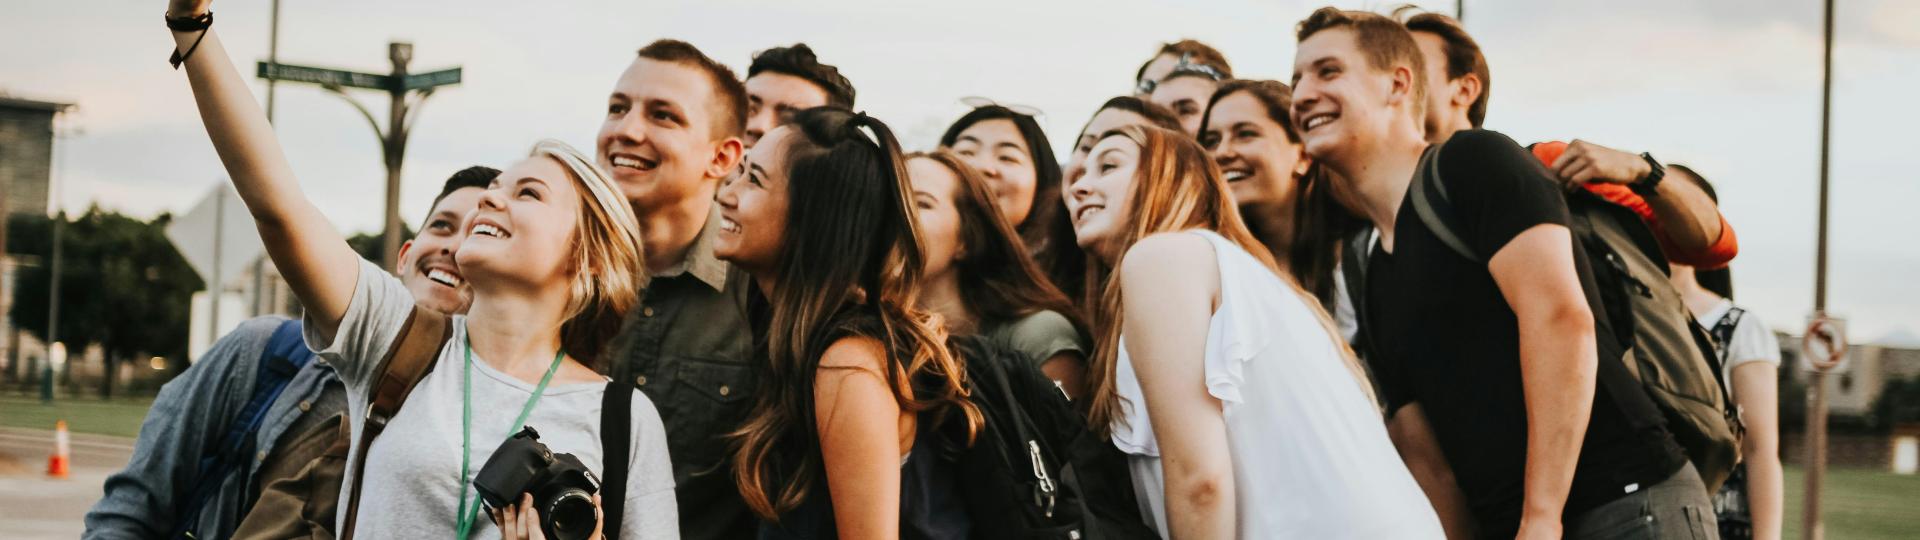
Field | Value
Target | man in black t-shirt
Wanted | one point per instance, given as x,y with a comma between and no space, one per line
1495,361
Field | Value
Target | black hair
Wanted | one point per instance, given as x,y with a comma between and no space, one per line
479,176
1717,280
1046,167
799,61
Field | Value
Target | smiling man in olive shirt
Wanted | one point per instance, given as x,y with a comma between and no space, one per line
671,133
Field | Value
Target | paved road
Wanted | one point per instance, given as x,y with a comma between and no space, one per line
33,505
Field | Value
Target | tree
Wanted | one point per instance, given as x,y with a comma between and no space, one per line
122,286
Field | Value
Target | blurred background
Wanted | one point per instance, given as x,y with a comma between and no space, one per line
95,124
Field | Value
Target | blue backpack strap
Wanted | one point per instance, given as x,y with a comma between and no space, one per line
285,355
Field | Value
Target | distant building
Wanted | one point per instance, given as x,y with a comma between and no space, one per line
26,170
1853,389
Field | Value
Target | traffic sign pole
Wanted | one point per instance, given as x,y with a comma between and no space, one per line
399,86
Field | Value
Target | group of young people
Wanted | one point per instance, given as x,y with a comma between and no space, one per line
1234,282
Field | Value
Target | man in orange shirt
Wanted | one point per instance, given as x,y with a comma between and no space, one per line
1681,215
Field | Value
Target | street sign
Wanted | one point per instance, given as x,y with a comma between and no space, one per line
325,77
434,78
1824,347
219,218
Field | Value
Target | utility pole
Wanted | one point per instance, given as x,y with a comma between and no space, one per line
1812,528
1459,10
405,92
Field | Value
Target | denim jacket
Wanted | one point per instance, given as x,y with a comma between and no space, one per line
186,421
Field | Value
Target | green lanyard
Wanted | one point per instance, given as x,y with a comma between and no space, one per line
471,511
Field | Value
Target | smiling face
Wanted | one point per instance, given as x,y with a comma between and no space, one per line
753,206
659,141
934,188
522,231
1260,163
1341,101
426,261
1098,201
1187,97
996,148
1102,122
773,98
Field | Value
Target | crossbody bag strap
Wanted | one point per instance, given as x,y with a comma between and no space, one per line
407,362
616,437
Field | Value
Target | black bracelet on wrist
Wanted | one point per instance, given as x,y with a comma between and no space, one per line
188,24
1648,186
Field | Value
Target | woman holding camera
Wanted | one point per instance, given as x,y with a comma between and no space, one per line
552,258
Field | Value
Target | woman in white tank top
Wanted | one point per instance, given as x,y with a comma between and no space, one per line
1241,412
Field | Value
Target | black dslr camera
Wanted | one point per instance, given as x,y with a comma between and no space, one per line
561,486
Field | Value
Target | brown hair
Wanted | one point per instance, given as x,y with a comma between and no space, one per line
1320,224
999,280
1384,42
1195,51
607,274
1176,187
1463,54
849,202
729,104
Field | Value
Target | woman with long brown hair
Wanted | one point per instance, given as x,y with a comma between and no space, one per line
844,438
981,279
1282,196
1242,413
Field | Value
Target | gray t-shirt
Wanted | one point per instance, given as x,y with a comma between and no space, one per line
412,487
1039,336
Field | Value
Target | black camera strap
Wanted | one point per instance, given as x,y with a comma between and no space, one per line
616,424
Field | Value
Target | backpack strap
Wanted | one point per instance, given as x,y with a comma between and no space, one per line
408,361
284,356
616,425
1435,208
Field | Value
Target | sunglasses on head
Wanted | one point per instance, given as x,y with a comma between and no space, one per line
1186,66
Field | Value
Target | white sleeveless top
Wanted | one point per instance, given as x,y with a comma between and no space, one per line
1311,458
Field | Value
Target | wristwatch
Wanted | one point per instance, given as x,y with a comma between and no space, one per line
1646,185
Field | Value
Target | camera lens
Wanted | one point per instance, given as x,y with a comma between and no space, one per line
570,516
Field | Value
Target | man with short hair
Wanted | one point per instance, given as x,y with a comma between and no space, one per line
672,132
1496,361
783,81
1173,54
1682,217
152,497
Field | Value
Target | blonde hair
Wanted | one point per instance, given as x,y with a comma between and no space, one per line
608,262
1176,187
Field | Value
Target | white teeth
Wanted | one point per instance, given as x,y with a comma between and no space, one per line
629,162
1317,121
729,225
1235,175
443,277
484,229
1084,210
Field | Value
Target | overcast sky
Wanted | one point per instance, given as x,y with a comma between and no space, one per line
1729,87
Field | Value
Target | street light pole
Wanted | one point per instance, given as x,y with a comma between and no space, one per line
395,144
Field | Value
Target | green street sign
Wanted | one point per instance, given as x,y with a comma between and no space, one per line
324,76
434,78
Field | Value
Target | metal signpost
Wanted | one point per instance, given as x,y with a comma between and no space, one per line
1825,339
406,93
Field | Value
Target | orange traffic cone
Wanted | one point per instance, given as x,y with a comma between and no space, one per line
57,465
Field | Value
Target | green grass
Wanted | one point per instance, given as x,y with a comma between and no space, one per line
120,417
1858,503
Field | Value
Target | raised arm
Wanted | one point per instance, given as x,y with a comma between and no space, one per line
1558,365
1689,220
310,254
1169,282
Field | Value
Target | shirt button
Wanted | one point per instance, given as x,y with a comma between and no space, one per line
306,405
640,381
261,456
648,312
724,390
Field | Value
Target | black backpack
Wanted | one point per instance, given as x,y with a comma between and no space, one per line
1663,355
1034,470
